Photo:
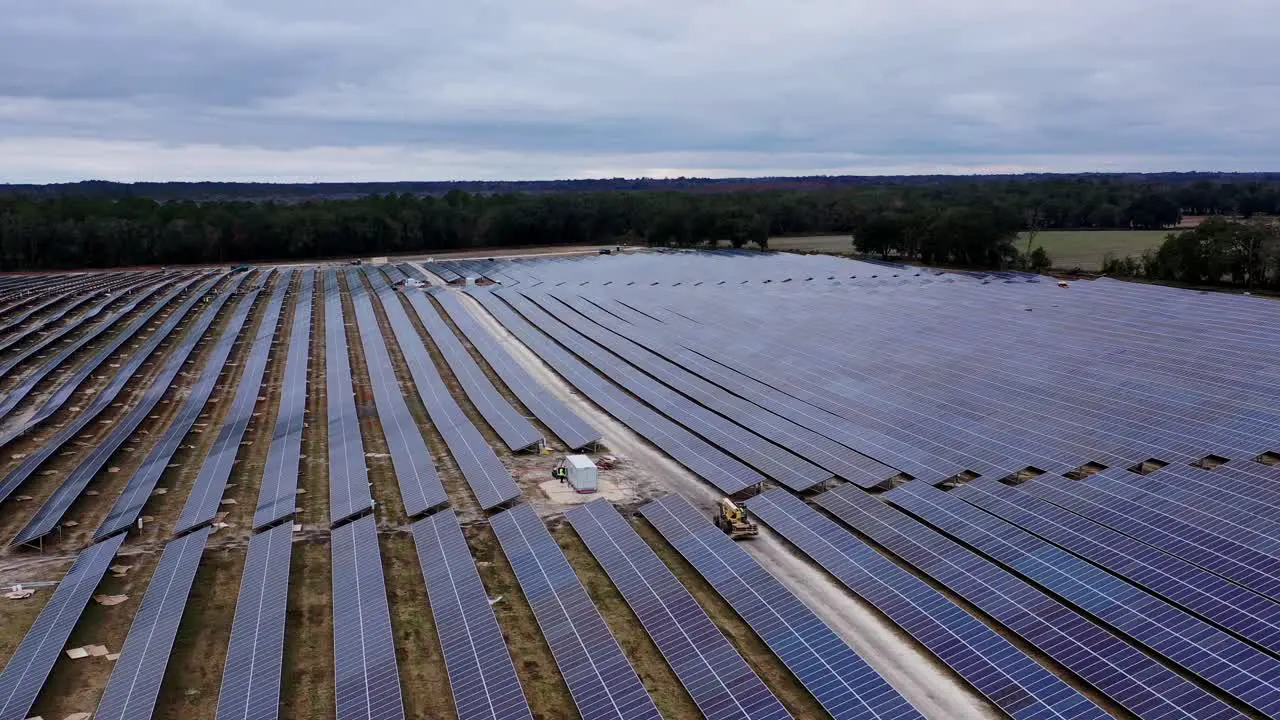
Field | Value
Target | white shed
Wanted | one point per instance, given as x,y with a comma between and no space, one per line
581,473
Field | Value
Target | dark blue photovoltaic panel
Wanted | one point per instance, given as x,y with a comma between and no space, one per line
348,473
1126,675
720,682
1242,671
487,477
830,670
420,486
278,495
1231,606
367,680
255,653
134,685
572,430
481,674
603,684
1007,677
51,512
25,674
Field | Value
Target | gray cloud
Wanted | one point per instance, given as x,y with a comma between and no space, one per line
147,89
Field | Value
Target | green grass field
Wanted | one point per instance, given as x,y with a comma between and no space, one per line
1085,249
1068,249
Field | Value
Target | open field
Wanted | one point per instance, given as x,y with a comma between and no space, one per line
1084,249
357,450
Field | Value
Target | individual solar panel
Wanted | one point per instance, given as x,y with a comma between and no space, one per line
134,685
481,673
206,493
841,681
1231,606
1233,666
255,655
367,679
720,682
51,512
517,432
26,672
1126,675
603,684
572,430
487,477
143,482
348,475
420,486
278,495
1011,680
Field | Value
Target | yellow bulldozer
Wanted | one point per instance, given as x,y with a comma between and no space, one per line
733,521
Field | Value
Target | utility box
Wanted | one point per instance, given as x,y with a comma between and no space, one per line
581,473
468,281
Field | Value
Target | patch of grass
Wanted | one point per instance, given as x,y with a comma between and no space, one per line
1085,249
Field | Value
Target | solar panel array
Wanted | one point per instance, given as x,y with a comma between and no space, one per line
134,685
572,430
1005,675
481,673
707,461
1132,679
717,678
603,684
348,475
1217,599
278,495
644,377
251,675
1119,377
141,484
420,486
38,374
1237,668
485,474
27,670
135,286
367,679
66,386
830,670
517,432
206,492
55,507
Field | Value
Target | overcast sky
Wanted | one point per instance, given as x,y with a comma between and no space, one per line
337,90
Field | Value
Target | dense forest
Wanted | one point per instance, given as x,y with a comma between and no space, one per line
964,221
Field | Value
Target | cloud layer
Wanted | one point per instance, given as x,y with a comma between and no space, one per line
400,90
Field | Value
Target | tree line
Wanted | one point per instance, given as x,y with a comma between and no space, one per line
1220,251
963,221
